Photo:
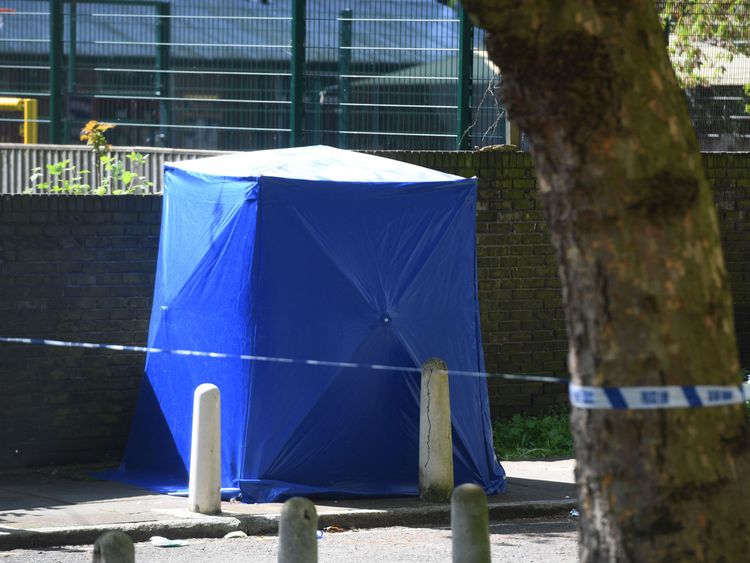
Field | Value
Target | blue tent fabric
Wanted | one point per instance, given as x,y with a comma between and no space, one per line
312,253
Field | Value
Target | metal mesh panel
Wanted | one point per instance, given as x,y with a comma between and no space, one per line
377,74
382,75
185,73
24,65
488,113
207,75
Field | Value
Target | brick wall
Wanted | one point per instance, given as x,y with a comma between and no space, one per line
729,174
81,268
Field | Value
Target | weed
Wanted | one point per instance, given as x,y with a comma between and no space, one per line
113,176
526,437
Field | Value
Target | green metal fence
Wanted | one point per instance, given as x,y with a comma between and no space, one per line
251,74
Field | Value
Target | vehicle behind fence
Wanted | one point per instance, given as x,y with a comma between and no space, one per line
255,74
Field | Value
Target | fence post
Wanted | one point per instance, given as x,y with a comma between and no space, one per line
204,489
470,525
345,64
435,439
56,27
72,67
299,16
164,35
298,532
512,133
465,80
114,547
30,121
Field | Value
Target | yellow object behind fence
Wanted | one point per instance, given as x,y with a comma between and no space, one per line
29,107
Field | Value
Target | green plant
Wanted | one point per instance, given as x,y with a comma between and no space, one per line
114,176
93,134
527,437
64,178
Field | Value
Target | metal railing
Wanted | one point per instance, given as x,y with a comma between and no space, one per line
256,74
29,110
243,75
17,162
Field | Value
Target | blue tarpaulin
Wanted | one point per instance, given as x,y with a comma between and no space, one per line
312,253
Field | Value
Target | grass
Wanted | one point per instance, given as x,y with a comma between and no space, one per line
538,437
533,437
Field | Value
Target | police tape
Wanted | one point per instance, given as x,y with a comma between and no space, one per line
657,397
275,359
582,397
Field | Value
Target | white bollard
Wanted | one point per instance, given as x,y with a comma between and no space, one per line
298,528
470,529
204,491
114,547
435,438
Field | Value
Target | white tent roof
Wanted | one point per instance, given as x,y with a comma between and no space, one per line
312,163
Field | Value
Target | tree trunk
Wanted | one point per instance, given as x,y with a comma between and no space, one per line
646,293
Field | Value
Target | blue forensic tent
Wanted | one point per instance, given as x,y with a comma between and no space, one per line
312,253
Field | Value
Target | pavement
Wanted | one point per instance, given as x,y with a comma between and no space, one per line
66,507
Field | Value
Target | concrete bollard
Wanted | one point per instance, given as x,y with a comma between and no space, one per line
470,529
298,528
114,547
435,439
204,490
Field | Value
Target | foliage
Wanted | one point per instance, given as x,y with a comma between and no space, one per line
113,176
525,437
93,134
704,36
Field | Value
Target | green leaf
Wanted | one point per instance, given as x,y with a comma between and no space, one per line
127,177
136,158
524,437
117,169
55,169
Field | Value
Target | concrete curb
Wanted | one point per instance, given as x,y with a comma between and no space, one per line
218,526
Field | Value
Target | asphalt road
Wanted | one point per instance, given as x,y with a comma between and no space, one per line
526,541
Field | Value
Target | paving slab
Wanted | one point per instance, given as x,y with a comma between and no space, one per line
44,509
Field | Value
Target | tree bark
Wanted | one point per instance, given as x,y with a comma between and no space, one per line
646,293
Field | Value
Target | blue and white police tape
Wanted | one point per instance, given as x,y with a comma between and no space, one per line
273,359
583,397
657,397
